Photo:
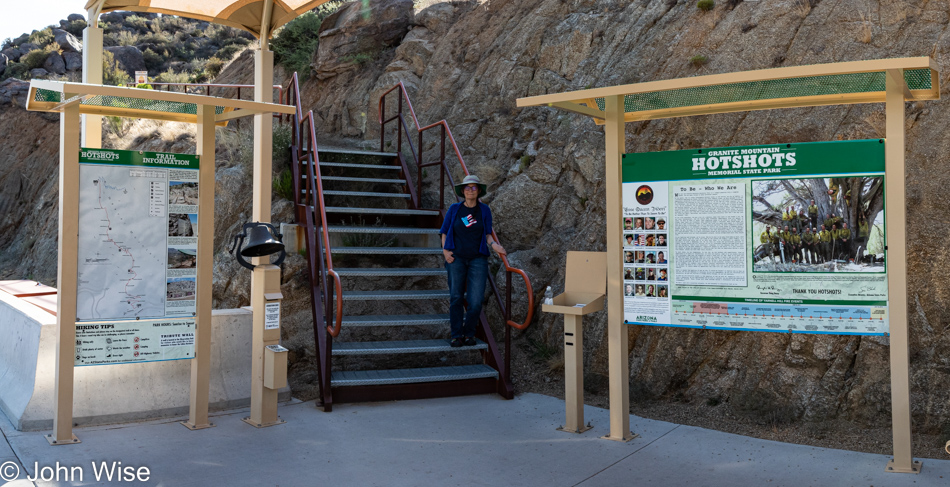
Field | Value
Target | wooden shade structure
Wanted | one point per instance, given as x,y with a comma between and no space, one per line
259,17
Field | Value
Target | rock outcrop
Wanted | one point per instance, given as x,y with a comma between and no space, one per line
467,62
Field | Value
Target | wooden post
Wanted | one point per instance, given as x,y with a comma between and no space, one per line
201,365
617,347
67,274
92,74
265,279
896,258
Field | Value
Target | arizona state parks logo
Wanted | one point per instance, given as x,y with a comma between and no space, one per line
644,195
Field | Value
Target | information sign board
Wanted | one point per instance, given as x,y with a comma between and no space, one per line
137,235
782,237
100,343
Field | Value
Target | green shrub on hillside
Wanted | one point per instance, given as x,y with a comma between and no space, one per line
112,73
295,42
42,37
35,58
705,5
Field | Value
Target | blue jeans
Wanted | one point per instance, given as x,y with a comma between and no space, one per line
467,278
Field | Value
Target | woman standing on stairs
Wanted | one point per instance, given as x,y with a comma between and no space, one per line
466,238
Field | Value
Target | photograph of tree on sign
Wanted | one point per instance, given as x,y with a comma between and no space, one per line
818,224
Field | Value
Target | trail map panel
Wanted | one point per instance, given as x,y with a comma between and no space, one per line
137,241
783,237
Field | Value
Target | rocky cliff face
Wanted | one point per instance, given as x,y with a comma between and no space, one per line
467,62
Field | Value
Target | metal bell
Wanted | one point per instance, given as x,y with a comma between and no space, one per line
261,242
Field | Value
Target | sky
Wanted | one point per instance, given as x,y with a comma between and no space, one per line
27,16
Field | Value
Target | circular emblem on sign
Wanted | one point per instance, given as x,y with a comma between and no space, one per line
644,195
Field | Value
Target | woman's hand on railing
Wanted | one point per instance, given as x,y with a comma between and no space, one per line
527,282
338,286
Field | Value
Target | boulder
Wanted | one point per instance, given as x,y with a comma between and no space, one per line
55,64
3,69
129,58
28,46
13,54
351,36
20,40
39,73
73,61
67,42
75,17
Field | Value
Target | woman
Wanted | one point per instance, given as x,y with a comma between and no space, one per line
466,238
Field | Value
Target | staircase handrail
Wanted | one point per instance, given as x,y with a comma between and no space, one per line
305,123
446,134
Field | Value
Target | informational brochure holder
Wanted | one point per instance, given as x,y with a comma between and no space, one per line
584,289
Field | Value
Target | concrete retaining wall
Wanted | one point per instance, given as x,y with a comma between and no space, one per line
114,393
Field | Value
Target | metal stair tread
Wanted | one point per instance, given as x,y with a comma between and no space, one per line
390,271
363,180
396,320
358,166
383,211
355,152
376,229
388,250
410,376
389,295
401,346
363,193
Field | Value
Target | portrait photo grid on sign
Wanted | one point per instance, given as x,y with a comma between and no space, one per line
646,257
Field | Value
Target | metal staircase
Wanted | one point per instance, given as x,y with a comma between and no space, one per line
381,319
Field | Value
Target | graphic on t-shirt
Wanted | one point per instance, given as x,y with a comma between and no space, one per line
468,220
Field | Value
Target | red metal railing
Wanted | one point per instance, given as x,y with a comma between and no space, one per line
445,135
310,211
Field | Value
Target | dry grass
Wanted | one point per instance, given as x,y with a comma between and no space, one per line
803,7
865,32
125,133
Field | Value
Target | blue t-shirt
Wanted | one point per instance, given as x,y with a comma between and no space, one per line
468,228
448,225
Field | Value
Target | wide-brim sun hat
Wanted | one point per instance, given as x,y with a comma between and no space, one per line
471,179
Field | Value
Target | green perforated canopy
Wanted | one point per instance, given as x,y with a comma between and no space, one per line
824,84
53,96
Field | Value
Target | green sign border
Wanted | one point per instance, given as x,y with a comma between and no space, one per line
812,158
138,158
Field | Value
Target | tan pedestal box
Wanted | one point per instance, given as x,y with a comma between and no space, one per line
584,288
275,367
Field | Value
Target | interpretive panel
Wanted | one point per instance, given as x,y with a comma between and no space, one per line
137,235
134,341
784,237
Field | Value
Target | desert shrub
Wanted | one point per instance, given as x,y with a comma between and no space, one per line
227,53
295,42
213,67
698,60
35,58
171,76
153,60
705,5
112,73
284,185
75,27
42,37
16,70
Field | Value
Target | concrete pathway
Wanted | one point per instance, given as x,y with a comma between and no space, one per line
480,440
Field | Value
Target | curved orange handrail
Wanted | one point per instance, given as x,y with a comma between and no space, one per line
334,331
458,155
527,283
